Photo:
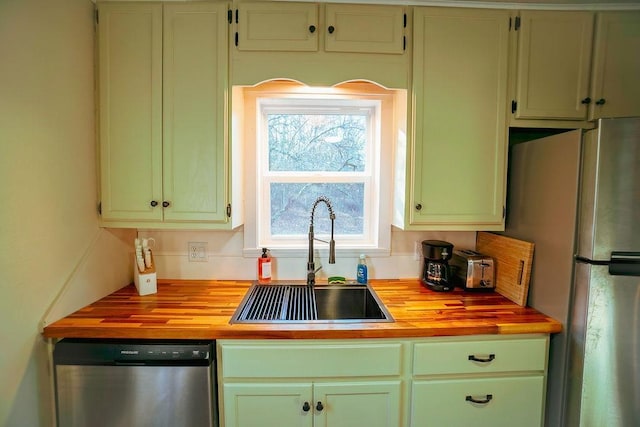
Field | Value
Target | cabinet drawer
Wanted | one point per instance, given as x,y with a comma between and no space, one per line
317,360
510,401
473,357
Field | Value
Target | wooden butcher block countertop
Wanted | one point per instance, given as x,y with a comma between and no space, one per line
190,309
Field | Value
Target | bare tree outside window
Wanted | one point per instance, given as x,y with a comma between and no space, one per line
330,150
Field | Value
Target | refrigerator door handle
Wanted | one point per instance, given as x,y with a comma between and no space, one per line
624,264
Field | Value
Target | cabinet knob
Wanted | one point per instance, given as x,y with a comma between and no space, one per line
418,206
166,204
306,407
587,100
474,358
153,203
601,101
484,401
331,29
319,407
312,29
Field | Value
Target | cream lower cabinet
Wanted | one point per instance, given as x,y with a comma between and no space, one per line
162,79
459,383
457,157
338,403
484,381
310,383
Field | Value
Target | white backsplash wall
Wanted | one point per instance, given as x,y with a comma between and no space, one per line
225,260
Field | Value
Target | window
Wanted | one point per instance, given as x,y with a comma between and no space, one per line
311,142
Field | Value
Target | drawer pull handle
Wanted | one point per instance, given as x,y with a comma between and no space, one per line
306,407
482,360
480,401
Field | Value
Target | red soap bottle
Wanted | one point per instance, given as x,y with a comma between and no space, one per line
264,267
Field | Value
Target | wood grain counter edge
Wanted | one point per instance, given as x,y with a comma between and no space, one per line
201,309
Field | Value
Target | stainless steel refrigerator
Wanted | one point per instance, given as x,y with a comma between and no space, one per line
576,195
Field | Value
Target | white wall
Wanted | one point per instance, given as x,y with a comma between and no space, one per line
226,261
50,241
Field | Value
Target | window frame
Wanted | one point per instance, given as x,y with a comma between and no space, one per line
368,177
382,159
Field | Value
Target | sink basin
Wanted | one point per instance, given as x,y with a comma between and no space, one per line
348,302
294,303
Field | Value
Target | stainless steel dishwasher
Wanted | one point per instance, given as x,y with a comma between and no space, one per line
135,383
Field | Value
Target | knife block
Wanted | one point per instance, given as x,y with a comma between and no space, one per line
146,281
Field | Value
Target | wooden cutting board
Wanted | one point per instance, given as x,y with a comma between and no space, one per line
512,259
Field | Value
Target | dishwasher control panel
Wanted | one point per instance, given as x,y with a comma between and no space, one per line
113,352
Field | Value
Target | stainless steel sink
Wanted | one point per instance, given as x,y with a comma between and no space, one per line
293,303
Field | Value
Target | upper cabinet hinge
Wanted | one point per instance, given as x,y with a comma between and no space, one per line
97,17
514,106
404,42
510,19
229,15
236,35
516,26
405,20
99,208
229,210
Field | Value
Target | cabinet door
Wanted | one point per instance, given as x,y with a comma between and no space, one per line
194,114
371,404
554,59
274,26
459,102
130,110
267,405
614,88
364,28
496,402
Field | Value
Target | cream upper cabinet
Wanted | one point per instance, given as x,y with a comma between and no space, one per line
364,28
457,155
162,113
272,26
553,65
130,110
615,88
290,26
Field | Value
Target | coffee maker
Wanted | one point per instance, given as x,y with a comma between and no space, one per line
436,274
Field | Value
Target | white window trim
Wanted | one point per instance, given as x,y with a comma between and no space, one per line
247,108
368,177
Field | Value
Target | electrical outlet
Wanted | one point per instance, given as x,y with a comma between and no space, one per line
417,251
198,252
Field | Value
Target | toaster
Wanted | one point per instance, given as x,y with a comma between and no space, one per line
472,270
